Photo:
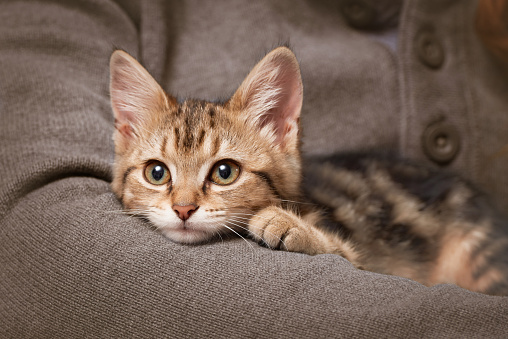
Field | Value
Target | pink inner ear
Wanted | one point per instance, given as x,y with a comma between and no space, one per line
125,130
123,120
133,92
286,112
124,116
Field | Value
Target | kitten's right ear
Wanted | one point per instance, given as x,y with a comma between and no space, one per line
135,95
271,98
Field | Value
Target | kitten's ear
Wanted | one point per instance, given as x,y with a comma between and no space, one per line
135,95
271,96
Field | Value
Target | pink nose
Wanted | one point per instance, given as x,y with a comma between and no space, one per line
184,212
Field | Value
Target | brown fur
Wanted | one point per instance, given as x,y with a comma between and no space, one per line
181,136
385,216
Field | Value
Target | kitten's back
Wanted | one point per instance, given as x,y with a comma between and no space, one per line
412,221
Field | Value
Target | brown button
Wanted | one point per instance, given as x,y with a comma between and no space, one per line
358,13
429,49
441,142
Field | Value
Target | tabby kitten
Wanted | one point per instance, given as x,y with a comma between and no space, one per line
197,170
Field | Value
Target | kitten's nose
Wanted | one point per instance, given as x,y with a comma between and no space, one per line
184,212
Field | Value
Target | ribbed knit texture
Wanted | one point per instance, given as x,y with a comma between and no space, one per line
72,267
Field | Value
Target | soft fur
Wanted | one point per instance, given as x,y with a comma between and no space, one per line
389,217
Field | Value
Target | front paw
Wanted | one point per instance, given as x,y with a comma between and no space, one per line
280,229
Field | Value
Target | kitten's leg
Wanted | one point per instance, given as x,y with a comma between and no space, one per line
281,229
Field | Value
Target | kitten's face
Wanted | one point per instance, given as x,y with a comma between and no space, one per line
198,169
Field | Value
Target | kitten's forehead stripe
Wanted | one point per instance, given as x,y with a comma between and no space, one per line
211,113
216,146
184,125
188,140
201,138
188,124
194,119
177,137
164,145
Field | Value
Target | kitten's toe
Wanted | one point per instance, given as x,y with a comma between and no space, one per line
263,228
279,229
275,234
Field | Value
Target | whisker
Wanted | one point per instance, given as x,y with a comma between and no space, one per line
238,234
130,212
238,217
248,214
239,223
298,202
122,212
264,230
235,223
218,232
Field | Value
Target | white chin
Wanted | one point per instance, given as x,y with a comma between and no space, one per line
186,235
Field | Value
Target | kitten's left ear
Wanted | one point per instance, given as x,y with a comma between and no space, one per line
271,96
135,96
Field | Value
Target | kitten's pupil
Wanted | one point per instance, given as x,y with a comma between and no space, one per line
158,172
224,171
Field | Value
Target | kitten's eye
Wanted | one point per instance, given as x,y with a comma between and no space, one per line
225,172
157,173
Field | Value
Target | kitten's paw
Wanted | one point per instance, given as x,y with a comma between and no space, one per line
280,229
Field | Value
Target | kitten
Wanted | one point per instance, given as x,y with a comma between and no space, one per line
197,170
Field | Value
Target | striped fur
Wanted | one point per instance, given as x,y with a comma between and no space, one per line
383,215
412,221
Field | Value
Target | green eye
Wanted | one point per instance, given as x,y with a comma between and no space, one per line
157,173
225,172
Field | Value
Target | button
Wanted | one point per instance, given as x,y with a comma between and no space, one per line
441,142
429,49
358,13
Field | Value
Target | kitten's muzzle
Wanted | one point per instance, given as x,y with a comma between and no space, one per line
185,212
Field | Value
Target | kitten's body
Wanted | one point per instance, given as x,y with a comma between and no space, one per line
412,221
198,169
